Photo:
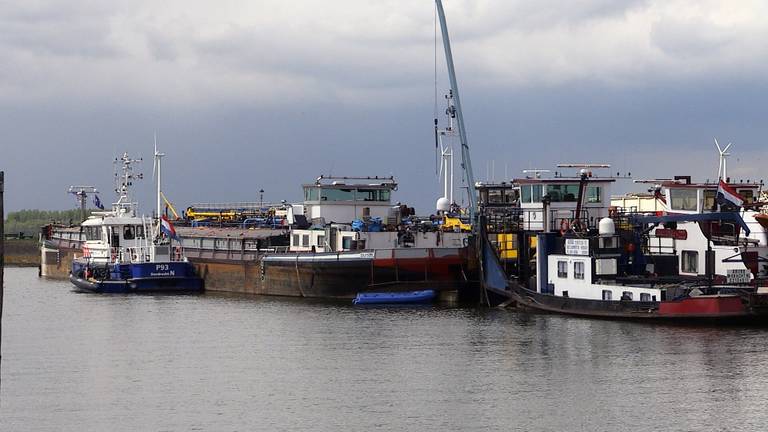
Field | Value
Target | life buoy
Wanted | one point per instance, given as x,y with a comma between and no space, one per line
565,226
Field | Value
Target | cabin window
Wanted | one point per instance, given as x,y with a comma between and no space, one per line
346,242
321,241
748,195
563,193
593,194
367,195
709,199
690,262
562,269
129,233
530,193
295,240
607,295
645,297
626,295
311,194
92,233
495,196
114,234
684,199
578,270
305,240
338,195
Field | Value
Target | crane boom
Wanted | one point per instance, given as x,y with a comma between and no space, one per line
466,162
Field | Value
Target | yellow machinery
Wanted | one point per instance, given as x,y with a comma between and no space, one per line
223,215
455,224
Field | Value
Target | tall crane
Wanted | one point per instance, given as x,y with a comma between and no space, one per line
466,162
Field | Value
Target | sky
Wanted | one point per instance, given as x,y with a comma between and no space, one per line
269,94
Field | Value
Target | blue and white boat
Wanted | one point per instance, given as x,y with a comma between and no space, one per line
127,253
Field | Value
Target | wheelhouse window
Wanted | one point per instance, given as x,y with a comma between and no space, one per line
530,193
563,193
684,199
92,233
371,195
578,270
311,193
690,262
129,232
594,194
337,195
709,199
562,269
748,195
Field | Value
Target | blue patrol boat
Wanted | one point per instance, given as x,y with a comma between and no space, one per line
126,253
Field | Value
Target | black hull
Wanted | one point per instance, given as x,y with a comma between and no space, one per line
626,310
344,276
139,285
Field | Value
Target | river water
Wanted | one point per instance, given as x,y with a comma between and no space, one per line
85,362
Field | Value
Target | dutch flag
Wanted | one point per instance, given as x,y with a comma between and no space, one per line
167,228
726,193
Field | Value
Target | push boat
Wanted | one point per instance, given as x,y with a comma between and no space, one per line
126,253
556,245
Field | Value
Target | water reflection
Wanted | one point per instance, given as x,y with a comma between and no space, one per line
223,362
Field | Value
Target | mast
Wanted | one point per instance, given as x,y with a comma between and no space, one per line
466,163
157,161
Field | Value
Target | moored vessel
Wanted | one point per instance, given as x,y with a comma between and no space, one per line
126,253
706,263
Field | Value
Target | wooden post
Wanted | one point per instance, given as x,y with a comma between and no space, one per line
2,261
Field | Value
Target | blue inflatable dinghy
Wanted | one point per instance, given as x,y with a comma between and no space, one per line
422,296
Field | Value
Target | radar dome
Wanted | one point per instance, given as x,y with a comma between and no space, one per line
443,205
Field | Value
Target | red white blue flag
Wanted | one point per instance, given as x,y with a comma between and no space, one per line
726,193
167,228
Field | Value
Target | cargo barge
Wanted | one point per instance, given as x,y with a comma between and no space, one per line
383,247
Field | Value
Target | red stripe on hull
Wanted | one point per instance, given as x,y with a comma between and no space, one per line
703,306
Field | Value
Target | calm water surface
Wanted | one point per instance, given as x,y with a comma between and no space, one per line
83,362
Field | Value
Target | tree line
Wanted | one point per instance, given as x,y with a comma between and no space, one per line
29,222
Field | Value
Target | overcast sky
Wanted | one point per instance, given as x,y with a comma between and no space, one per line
270,94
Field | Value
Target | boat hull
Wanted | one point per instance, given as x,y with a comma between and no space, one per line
408,297
172,277
716,308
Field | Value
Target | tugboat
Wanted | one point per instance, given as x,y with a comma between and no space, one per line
607,262
127,253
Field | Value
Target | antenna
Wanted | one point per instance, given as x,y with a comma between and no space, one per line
81,193
722,169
